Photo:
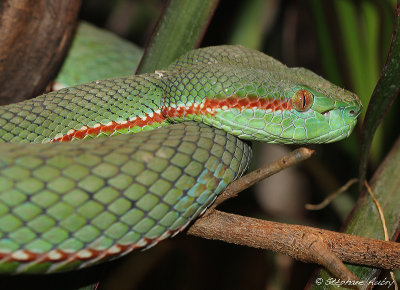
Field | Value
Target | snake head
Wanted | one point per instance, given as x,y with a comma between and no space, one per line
263,100
294,111
331,112
322,117
298,111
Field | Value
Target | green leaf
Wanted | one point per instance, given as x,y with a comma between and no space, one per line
364,219
179,29
329,59
255,20
383,96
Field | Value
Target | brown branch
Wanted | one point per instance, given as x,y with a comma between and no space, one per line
303,243
34,38
298,241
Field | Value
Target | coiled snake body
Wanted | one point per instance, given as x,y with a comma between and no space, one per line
70,205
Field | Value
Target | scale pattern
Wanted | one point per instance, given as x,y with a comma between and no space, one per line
49,116
73,204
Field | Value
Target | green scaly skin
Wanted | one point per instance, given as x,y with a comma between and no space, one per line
97,54
70,205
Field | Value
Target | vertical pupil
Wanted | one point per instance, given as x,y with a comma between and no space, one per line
304,99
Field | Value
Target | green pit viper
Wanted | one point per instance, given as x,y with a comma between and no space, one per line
67,205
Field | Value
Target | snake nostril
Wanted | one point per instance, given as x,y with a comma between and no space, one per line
353,112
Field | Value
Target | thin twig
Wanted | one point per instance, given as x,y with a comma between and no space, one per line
383,220
331,196
259,174
378,206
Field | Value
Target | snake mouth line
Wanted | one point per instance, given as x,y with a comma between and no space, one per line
289,140
342,129
326,113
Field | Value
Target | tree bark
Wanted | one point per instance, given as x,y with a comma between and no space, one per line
34,38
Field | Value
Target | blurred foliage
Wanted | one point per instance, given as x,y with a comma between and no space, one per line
344,41
363,219
92,43
178,30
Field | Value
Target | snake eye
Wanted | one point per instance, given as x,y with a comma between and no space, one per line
302,100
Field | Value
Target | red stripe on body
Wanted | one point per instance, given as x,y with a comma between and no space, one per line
209,106
113,126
